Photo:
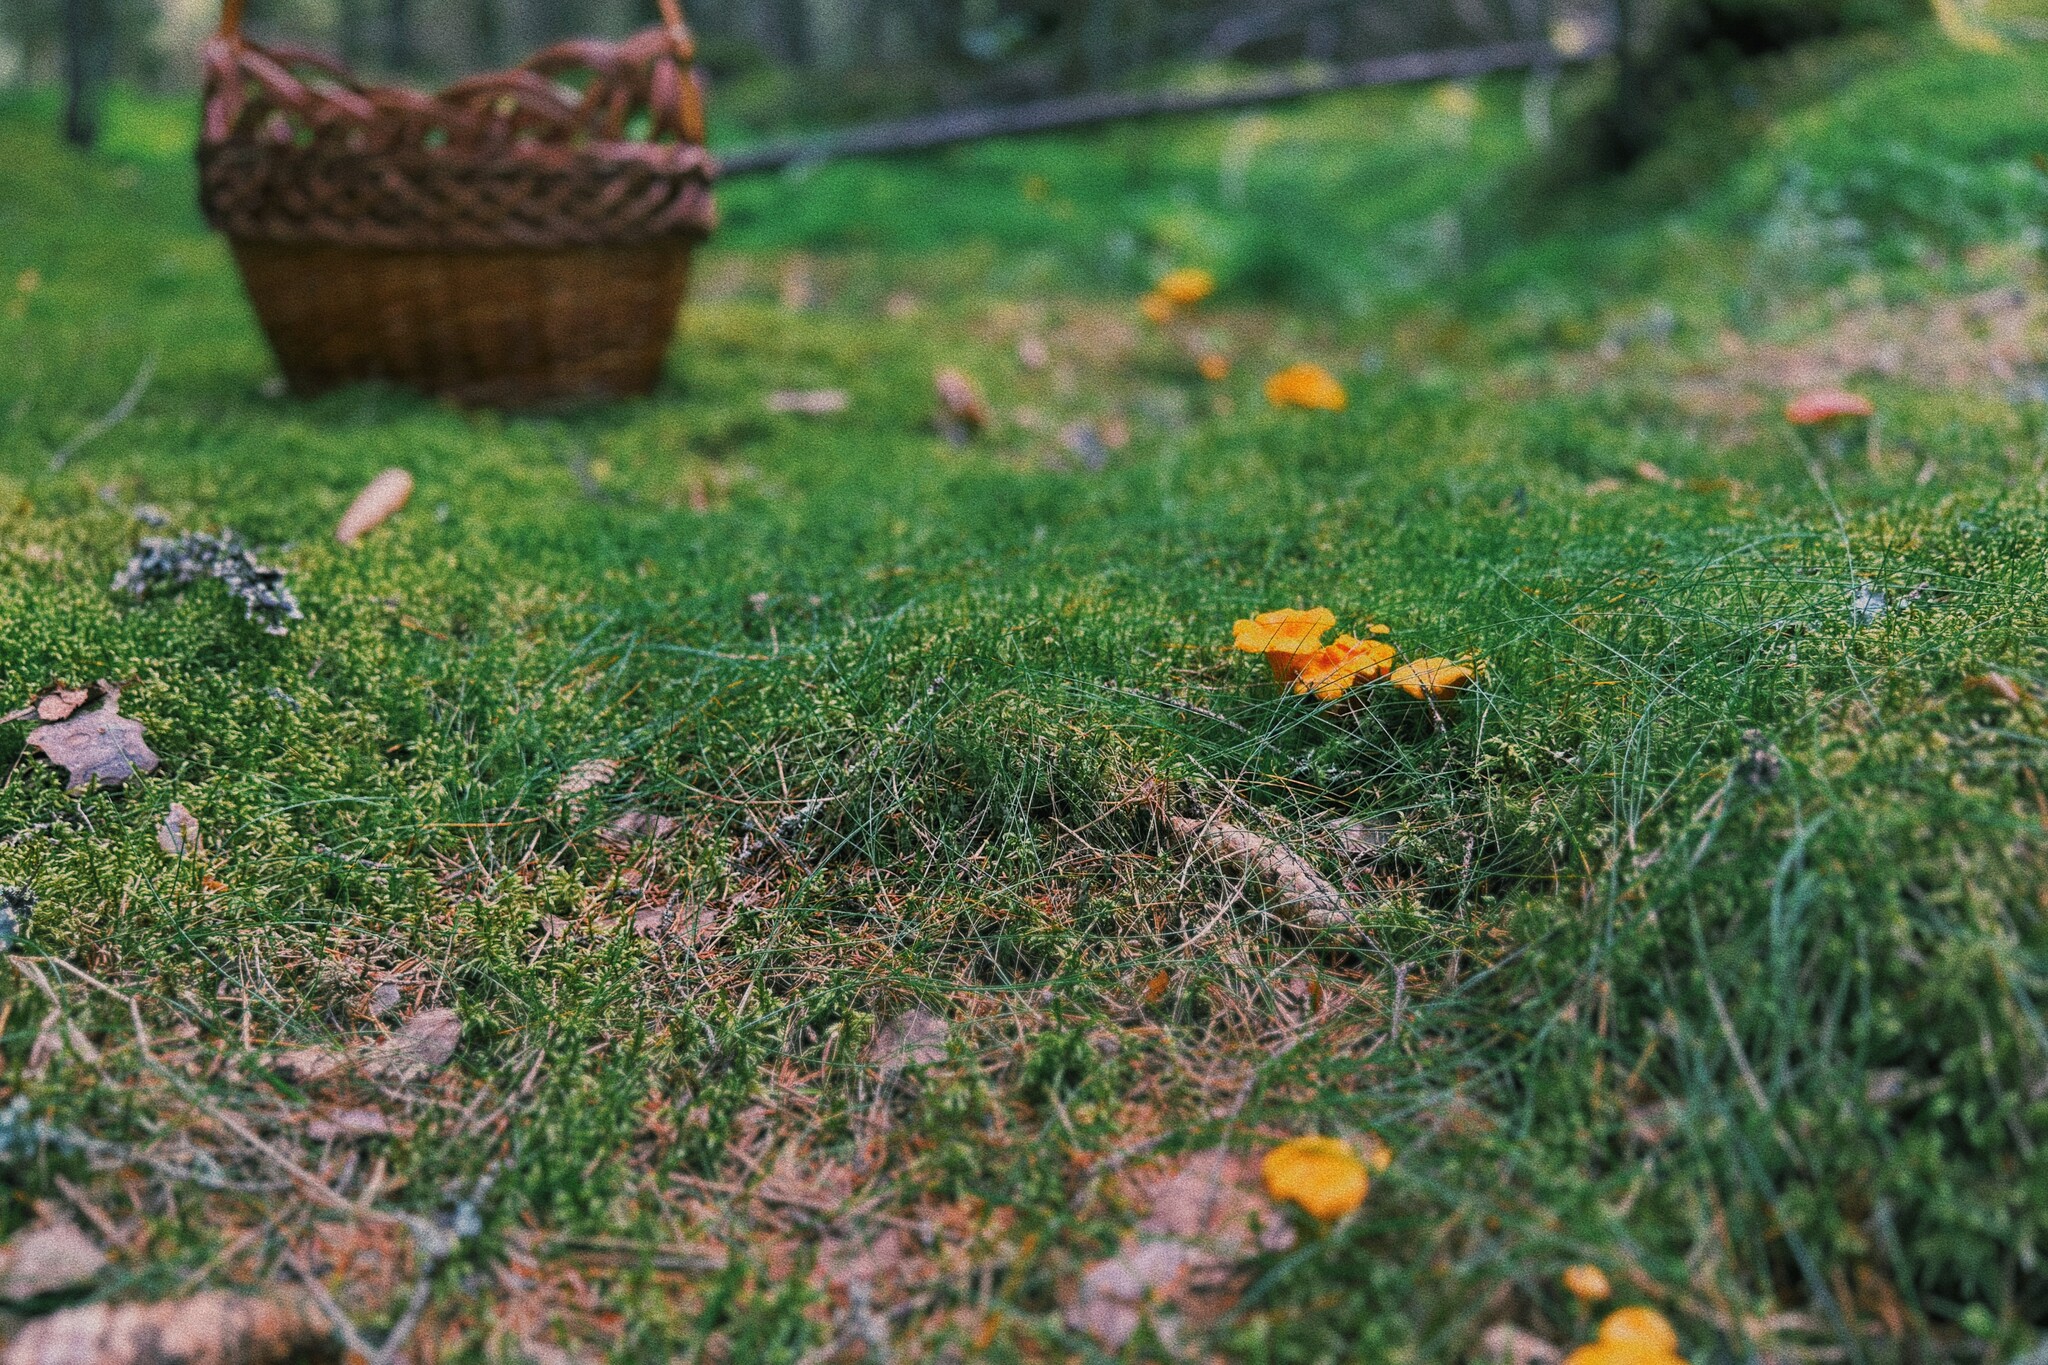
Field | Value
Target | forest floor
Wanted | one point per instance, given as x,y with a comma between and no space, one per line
799,813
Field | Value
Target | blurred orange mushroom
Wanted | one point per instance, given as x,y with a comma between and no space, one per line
1185,287
1587,1283
1322,1175
1827,405
1306,386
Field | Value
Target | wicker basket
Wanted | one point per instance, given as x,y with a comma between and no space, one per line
513,241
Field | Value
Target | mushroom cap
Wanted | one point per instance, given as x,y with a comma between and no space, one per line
1620,1353
1306,385
1639,1326
1339,664
1587,1283
1321,1174
1185,286
1288,638
1827,405
1434,679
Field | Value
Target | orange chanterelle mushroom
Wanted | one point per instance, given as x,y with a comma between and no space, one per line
1322,1175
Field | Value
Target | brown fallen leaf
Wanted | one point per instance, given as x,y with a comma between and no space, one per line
178,835
97,745
914,1038
381,497
1212,1201
207,1329
45,1258
1182,1266
630,827
56,704
589,774
1651,473
963,412
810,402
1506,1344
1292,885
1119,1292
1994,685
422,1045
1360,843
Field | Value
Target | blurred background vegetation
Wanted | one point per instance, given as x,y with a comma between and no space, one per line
783,64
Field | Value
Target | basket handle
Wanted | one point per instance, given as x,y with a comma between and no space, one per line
671,19
689,99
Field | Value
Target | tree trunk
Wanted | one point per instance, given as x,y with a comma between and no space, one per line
349,35
487,33
84,54
399,53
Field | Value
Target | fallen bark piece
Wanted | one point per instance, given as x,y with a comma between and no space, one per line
163,565
380,498
207,1329
1293,886
46,1258
97,745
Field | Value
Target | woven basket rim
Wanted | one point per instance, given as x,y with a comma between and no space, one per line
295,149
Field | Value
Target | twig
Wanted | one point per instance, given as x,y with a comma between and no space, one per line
351,1336
115,415
970,125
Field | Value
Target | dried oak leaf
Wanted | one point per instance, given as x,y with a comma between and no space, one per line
207,1329
380,498
46,1258
99,744
1292,885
